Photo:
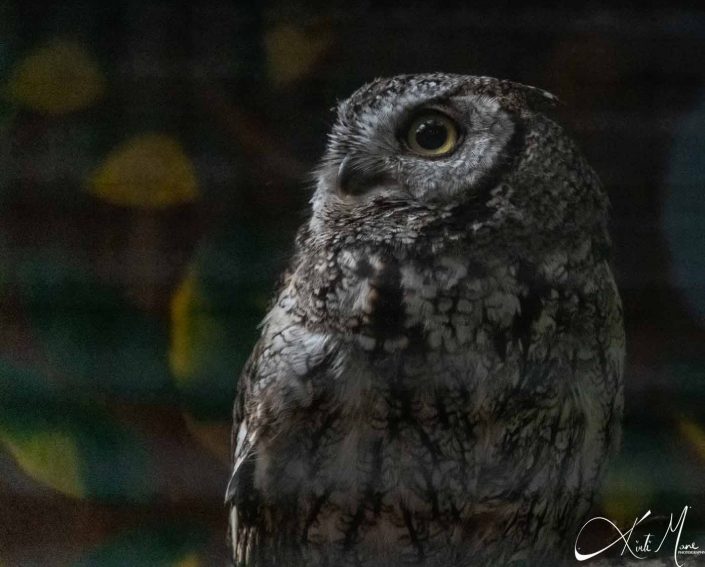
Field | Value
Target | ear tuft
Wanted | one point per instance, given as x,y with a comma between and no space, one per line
512,95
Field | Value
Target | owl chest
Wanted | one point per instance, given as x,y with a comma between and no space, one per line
451,382
448,304
389,437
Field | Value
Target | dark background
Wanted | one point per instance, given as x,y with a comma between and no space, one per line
153,170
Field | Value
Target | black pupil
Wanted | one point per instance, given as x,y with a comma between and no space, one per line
431,134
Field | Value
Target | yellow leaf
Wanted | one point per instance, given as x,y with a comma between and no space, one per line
627,490
292,52
190,560
621,505
48,456
150,171
694,435
55,79
192,326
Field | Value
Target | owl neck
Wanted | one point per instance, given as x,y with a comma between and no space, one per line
388,295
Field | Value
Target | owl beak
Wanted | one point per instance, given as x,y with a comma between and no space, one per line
355,178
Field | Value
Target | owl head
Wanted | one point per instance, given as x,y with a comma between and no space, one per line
452,156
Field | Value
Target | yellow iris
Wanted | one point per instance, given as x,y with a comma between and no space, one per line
432,134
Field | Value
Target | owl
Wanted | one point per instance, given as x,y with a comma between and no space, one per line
438,381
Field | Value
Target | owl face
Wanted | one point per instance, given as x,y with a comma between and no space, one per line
427,143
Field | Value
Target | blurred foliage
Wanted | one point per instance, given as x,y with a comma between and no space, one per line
152,159
215,312
684,208
214,435
694,434
150,171
69,445
94,338
294,52
169,546
58,78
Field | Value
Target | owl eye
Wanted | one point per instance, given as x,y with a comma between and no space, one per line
432,134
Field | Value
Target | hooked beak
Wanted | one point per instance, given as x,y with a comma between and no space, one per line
355,178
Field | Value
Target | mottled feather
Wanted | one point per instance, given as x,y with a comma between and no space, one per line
438,380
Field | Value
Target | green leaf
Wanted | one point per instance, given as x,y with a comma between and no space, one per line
75,448
91,335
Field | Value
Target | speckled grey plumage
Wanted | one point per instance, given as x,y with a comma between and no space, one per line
438,381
